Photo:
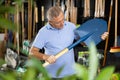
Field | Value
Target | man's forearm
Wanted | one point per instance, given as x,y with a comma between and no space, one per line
38,55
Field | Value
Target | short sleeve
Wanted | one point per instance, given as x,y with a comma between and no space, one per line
39,40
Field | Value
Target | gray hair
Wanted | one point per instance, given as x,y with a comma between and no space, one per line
53,12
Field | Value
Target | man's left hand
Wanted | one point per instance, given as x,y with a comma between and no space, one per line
104,35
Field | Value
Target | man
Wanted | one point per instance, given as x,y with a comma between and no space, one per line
56,35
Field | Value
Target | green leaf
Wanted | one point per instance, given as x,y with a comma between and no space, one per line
59,70
72,77
30,74
93,61
1,1
106,73
81,72
4,23
19,3
115,76
7,76
1,62
7,9
35,63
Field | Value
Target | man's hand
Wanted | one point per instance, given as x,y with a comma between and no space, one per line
50,59
104,35
35,52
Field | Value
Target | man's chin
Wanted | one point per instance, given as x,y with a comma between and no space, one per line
60,28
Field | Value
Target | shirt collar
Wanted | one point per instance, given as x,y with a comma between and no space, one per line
52,28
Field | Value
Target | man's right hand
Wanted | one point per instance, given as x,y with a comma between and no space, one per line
35,52
50,58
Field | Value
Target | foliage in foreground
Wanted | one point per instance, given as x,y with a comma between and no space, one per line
35,71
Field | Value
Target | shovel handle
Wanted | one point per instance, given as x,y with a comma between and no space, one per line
57,56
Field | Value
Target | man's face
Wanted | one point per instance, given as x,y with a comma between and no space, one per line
58,22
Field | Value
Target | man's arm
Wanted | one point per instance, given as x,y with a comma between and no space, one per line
35,52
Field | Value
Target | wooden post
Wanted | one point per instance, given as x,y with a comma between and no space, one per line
116,16
16,34
29,19
34,20
102,13
86,8
71,10
23,31
67,11
15,21
7,2
96,8
42,10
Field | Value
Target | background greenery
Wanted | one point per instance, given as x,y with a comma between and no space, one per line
33,70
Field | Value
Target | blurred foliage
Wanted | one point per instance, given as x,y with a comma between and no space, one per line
1,30
5,10
1,62
5,23
33,70
115,76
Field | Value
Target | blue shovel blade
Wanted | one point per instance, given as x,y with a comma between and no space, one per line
98,26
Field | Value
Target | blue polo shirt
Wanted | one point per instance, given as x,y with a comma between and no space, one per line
53,41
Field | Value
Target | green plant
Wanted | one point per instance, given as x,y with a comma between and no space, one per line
91,73
4,22
33,69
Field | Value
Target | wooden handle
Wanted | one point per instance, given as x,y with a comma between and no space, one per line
109,23
116,16
57,56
